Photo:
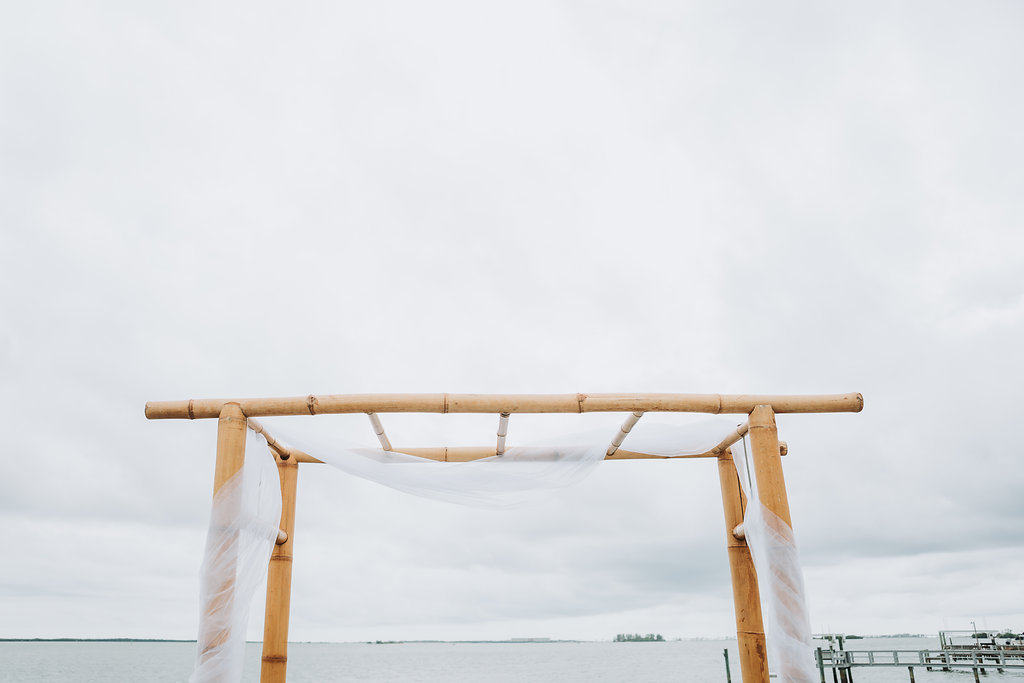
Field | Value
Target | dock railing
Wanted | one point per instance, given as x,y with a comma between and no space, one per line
977,660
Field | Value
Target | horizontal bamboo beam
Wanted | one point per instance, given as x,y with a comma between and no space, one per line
469,453
506,403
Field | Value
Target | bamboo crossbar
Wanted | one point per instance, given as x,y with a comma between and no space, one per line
506,403
469,453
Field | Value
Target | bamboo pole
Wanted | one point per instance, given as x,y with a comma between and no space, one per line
771,484
623,432
745,595
230,458
764,442
279,582
499,449
736,435
506,403
378,429
279,448
470,453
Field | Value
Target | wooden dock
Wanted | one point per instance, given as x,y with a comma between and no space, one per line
843,662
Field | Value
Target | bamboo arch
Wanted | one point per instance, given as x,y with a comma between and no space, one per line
235,415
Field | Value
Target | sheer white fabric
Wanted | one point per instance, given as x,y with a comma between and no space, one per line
521,475
244,521
780,581
246,514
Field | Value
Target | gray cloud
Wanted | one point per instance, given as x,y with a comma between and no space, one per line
265,201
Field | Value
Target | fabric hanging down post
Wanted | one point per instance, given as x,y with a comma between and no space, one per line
502,432
378,429
623,431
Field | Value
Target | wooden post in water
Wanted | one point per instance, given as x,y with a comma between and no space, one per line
745,595
911,670
279,581
230,458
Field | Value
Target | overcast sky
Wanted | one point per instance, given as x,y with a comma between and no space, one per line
267,199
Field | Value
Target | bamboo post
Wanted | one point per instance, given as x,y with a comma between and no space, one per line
279,582
771,485
745,595
764,442
230,458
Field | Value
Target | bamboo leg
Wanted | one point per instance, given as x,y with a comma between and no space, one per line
764,441
745,595
279,582
230,458
771,485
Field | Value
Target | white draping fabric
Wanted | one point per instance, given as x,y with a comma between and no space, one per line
780,581
246,514
244,521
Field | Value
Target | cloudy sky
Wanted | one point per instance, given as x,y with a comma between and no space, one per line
266,199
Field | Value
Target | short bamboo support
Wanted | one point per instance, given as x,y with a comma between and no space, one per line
274,666
230,459
623,432
734,436
507,403
502,433
278,448
378,429
745,594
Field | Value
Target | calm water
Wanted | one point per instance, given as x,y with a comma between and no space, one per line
431,662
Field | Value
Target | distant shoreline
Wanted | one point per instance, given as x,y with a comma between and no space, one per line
522,641
94,640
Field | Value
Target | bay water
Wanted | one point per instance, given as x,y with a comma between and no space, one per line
565,662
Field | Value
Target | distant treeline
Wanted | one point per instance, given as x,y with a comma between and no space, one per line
637,638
